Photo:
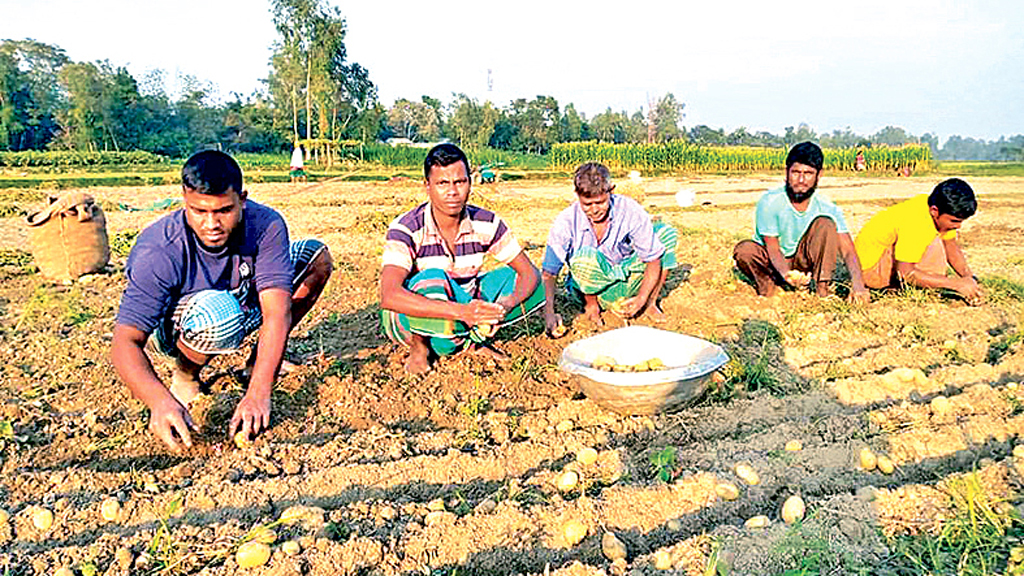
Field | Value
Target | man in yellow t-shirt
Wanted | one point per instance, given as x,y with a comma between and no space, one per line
914,240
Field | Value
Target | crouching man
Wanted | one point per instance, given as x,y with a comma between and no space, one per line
913,242
200,280
617,257
433,296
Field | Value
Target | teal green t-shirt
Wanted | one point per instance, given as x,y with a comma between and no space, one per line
775,216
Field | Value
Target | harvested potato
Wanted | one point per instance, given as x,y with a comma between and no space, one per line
793,509
612,547
727,491
241,440
559,331
568,481
868,460
42,519
622,368
1018,452
885,465
110,509
662,560
940,405
757,522
291,548
794,446
63,571
747,473
565,426
252,554
573,532
586,456
603,363
486,330
655,364
5,516
264,535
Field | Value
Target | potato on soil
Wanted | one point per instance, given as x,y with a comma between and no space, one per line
63,571
793,509
241,440
559,331
794,446
747,473
110,509
5,516
291,548
568,481
868,460
42,519
586,456
757,522
603,363
612,547
486,330
662,560
573,532
885,465
727,491
252,554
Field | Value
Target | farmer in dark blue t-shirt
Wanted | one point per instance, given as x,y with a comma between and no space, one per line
200,280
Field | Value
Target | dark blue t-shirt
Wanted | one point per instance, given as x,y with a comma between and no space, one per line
168,262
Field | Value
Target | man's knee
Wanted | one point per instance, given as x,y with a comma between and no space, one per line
823,225
746,251
320,268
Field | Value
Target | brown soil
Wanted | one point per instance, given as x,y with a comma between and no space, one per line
456,471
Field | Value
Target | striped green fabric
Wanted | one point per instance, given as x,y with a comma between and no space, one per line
592,273
448,336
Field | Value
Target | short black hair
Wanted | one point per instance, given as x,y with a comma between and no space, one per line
954,197
592,179
444,155
211,172
807,153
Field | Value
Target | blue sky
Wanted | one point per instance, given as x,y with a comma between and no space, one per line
928,66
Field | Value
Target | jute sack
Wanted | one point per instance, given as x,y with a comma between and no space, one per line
69,237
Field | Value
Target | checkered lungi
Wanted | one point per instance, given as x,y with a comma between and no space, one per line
592,273
448,336
214,321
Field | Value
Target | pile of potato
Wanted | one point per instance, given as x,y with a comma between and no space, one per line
608,364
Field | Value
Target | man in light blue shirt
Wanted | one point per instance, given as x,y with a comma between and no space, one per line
799,236
617,257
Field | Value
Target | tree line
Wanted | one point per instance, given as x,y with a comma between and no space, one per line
312,91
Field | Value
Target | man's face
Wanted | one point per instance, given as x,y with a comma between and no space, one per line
944,222
596,207
448,188
801,180
213,217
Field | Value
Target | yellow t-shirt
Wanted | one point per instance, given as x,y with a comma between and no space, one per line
907,225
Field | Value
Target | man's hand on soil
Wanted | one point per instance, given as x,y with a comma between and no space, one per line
171,423
252,416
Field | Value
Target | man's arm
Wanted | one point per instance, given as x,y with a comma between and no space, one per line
253,412
526,281
775,256
858,292
965,285
551,318
167,416
394,296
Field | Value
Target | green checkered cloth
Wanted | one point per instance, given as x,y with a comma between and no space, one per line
448,336
592,273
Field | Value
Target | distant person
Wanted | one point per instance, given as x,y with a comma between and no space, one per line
860,164
199,281
798,236
434,297
298,156
913,242
617,258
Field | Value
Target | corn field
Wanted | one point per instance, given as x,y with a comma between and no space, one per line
682,156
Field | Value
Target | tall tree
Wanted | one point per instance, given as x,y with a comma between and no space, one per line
471,124
30,94
664,119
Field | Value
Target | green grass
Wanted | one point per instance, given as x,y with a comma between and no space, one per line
977,168
976,541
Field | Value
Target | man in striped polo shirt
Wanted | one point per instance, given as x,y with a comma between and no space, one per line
433,296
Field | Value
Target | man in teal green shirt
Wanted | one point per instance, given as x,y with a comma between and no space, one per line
799,236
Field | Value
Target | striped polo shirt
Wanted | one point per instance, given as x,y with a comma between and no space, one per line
414,243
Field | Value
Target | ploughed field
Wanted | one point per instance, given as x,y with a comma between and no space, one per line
366,470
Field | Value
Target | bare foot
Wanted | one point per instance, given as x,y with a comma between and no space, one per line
654,313
184,386
418,361
593,314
